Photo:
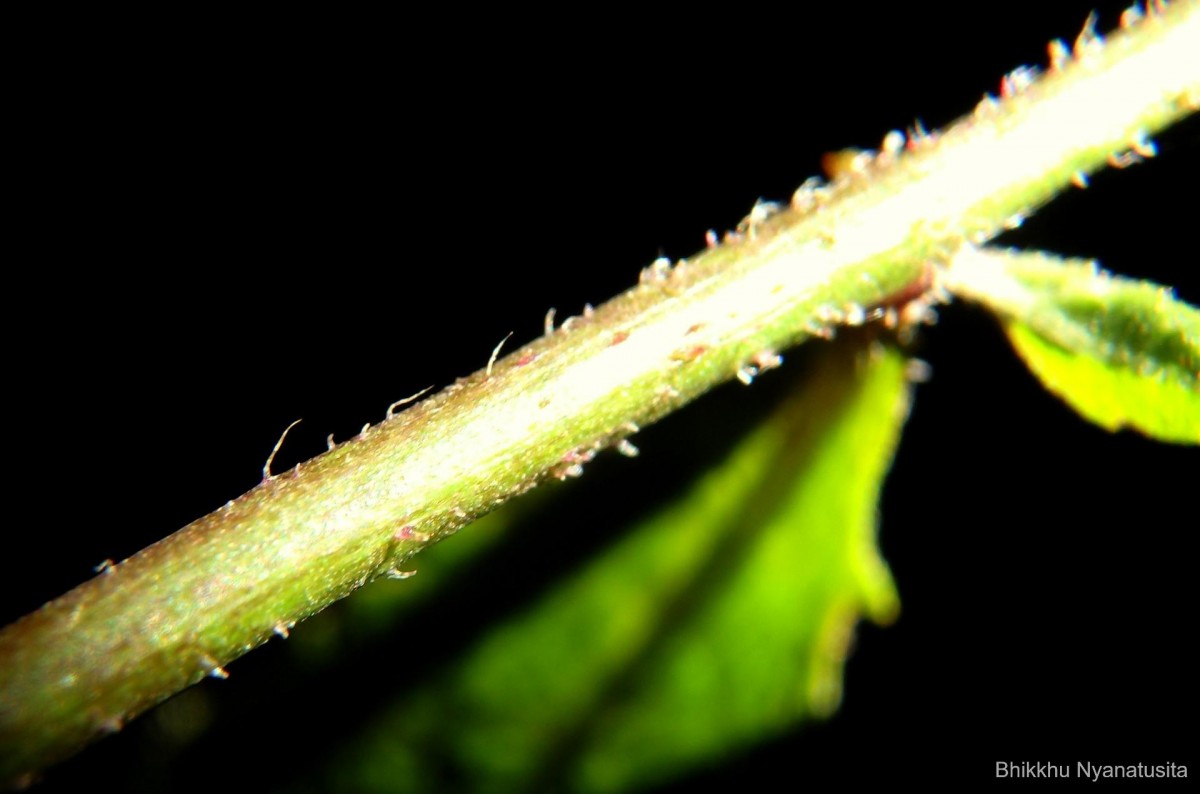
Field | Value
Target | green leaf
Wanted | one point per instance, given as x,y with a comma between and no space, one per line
720,621
1123,353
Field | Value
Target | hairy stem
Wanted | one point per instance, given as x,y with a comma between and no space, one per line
153,624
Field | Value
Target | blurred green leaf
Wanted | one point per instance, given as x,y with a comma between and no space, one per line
1120,352
720,621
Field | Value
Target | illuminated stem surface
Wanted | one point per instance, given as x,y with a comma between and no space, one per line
848,252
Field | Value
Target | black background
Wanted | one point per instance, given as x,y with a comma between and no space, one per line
229,224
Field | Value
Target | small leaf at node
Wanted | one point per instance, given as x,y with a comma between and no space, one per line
1121,352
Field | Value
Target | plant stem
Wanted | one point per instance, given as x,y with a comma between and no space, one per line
153,624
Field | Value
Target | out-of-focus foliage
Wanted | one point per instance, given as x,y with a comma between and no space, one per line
721,620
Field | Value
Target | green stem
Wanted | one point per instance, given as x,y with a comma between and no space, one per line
151,625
